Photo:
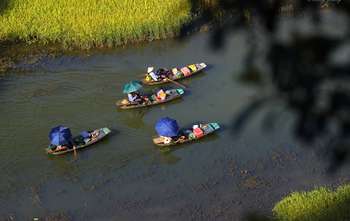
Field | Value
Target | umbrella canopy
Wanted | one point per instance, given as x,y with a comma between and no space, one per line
85,134
60,135
132,86
167,127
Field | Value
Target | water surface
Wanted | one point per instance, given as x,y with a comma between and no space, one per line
126,177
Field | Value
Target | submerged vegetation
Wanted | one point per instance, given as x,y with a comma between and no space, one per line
321,204
91,23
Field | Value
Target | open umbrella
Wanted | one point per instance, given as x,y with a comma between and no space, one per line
60,135
132,86
167,127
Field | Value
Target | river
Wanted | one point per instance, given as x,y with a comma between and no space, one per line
126,177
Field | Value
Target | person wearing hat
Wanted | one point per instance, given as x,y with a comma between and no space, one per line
132,90
159,74
153,74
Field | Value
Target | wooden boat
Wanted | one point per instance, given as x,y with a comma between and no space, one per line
171,94
182,73
102,132
206,128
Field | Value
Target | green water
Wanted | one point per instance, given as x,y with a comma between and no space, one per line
126,177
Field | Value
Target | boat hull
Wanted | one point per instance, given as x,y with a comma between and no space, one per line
102,133
171,95
208,128
199,66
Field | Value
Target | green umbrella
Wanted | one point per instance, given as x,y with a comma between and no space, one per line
132,86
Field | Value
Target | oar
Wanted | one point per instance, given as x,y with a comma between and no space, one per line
75,151
177,83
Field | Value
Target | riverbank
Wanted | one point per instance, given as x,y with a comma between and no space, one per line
31,30
318,205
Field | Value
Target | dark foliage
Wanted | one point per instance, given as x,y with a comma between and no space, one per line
301,70
3,5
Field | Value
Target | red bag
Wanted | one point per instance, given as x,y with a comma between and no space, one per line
198,132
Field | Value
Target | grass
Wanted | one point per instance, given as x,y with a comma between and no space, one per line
91,23
321,204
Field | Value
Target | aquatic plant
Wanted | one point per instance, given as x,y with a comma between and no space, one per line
91,23
321,204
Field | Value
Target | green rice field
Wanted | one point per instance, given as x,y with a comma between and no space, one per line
321,204
91,23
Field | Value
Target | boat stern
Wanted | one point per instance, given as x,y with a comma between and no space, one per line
180,91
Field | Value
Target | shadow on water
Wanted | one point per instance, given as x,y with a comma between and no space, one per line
306,72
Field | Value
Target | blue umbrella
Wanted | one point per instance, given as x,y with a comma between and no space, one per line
167,127
132,86
60,135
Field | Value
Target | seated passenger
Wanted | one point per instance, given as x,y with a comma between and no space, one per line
134,97
56,148
166,140
164,73
94,134
61,148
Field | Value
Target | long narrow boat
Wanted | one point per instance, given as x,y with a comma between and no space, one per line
181,73
207,129
171,94
102,132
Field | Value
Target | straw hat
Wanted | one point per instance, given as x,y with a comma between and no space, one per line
125,102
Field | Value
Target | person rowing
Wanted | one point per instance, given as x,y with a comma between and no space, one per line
160,74
168,130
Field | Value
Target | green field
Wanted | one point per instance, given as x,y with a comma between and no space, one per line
91,23
318,205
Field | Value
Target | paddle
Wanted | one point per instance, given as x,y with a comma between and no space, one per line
177,83
75,151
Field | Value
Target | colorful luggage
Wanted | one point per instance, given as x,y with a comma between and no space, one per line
192,67
186,71
198,132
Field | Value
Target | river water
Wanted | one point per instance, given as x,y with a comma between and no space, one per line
126,177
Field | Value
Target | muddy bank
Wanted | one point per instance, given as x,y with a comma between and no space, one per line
14,55
21,56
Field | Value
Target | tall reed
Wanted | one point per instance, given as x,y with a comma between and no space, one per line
91,23
321,204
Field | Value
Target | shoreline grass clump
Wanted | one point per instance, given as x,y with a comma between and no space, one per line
321,204
91,23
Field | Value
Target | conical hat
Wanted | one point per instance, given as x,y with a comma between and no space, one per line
150,69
